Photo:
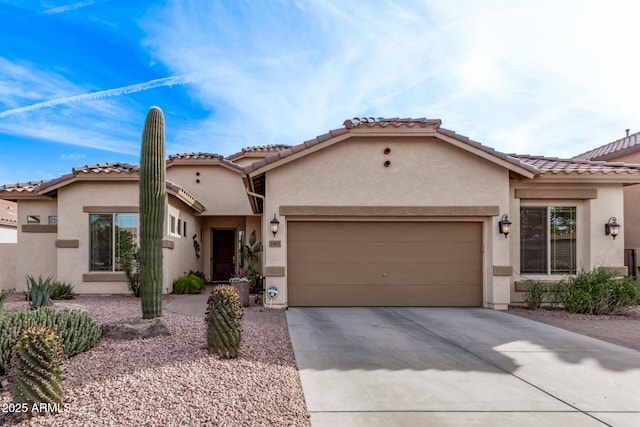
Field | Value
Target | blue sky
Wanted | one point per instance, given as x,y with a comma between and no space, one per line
77,78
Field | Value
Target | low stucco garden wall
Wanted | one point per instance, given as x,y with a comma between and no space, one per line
8,263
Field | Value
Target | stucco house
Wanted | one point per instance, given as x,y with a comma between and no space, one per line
626,150
395,212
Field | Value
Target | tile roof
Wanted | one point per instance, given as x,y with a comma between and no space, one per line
203,156
555,165
195,156
8,212
395,122
106,168
620,146
261,149
383,123
100,168
22,187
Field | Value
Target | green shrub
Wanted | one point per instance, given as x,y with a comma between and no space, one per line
39,292
200,274
534,294
130,263
36,362
62,290
189,284
599,292
77,331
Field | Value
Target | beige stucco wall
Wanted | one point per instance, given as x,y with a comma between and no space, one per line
424,171
36,254
631,226
594,249
180,259
73,224
8,252
220,190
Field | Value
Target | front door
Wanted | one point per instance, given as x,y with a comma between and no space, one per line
223,259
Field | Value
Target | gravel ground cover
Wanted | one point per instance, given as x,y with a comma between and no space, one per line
622,329
173,381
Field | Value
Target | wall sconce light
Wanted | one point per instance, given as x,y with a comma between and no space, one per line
612,228
504,225
275,224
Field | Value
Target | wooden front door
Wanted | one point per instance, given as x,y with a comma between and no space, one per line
223,260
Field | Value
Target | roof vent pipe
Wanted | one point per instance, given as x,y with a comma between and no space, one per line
627,131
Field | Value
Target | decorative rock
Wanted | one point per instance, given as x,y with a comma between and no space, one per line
137,328
69,306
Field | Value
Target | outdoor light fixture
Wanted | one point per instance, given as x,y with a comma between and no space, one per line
612,228
504,225
275,224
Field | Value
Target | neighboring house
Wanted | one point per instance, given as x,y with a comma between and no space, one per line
625,150
8,239
380,212
8,222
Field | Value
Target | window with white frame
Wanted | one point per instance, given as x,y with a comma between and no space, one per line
111,235
548,240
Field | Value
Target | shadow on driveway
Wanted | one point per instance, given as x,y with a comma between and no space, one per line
359,362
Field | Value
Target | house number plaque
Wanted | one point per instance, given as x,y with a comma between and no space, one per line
274,243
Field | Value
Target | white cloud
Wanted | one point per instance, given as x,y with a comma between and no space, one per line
546,77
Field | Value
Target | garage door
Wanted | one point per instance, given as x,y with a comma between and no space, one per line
384,263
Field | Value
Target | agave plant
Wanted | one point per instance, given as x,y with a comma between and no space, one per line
39,292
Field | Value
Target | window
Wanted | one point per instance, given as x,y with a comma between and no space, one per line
548,240
184,228
172,224
53,219
109,236
33,219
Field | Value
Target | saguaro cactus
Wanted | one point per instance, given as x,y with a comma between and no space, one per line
152,200
37,368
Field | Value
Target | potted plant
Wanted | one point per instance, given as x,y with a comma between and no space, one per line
241,283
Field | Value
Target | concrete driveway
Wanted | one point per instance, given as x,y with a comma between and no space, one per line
452,367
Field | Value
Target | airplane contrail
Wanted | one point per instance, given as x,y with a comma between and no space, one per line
74,6
139,87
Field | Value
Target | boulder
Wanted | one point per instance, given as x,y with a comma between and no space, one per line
136,328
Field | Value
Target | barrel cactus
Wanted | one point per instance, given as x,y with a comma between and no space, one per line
152,201
36,363
223,315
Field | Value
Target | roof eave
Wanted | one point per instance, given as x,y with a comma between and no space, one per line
624,178
509,163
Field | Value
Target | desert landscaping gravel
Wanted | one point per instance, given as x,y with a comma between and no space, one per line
173,381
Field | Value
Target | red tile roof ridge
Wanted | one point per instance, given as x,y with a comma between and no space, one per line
628,143
396,122
20,187
116,167
269,148
194,155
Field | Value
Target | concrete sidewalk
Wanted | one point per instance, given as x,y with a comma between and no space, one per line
451,367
